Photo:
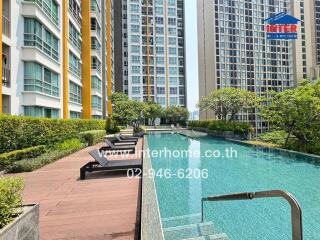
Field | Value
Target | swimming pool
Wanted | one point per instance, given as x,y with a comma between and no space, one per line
248,169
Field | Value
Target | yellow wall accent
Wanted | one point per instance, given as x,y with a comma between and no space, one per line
109,54
65,64
86,59
148,55
166,52
1,57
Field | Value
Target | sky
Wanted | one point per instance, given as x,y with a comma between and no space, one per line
191,54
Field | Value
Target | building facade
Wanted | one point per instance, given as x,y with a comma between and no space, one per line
150,47
234,50
52,58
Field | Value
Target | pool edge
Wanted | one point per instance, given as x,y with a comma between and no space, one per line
151,225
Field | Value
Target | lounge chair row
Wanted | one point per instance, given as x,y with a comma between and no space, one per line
101,162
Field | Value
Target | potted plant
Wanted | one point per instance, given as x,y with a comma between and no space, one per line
17,221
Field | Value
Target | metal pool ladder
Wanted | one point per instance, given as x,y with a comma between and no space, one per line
296,213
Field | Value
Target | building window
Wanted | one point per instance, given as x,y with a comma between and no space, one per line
136,90
161,90
75,115
40,79
36,35
135,69
96,103
75,10
173,101
50,8
37,111
74,36
135,79
74,64
75,93
161,100
96,84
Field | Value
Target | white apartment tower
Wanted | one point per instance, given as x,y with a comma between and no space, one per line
234,50
52,58
150,47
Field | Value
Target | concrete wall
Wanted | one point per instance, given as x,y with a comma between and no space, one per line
206,52
26,226
151,226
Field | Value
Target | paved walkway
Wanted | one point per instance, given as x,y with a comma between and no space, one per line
104,206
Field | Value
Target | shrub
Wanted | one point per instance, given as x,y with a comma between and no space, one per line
17,155
59,151
111,127
10,199
18,132
221,126
276,137
68,144
92,137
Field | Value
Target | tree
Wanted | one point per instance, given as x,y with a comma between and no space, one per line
152,111
296,111
128,112
228,102
118,97
177,114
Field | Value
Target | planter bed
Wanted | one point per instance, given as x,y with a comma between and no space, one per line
24,227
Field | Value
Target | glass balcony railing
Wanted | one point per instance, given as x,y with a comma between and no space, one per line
33,40
6,25
47,10
6,77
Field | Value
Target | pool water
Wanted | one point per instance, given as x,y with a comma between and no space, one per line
252,169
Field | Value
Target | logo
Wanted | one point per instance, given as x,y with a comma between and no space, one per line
282,26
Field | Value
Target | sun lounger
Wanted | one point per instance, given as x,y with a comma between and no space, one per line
101,163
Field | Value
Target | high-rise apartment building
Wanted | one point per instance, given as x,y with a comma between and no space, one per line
150,50
52,58
234,50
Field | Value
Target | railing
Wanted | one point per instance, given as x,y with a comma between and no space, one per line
296,213
76,14
6,77
47,10
6,26
33,40
96,66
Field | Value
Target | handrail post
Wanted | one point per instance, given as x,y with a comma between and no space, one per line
296,213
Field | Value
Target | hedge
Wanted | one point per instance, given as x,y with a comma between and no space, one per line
222,126
8,158
91,138
57,152
10,199
18,132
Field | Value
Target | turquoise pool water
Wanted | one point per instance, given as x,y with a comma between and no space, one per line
252,169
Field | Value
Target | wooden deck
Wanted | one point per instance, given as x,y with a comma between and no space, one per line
104,206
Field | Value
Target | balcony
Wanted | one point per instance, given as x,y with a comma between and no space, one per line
75,10
6,26
6,77
47,10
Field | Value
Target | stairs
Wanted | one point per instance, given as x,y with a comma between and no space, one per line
190,227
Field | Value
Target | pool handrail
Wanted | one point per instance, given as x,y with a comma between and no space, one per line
296,213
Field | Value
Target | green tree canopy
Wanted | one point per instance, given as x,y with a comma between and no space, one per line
128,112
296,111
228,102
118,97
152,111
177,114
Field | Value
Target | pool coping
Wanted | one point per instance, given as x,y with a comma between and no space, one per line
151,224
